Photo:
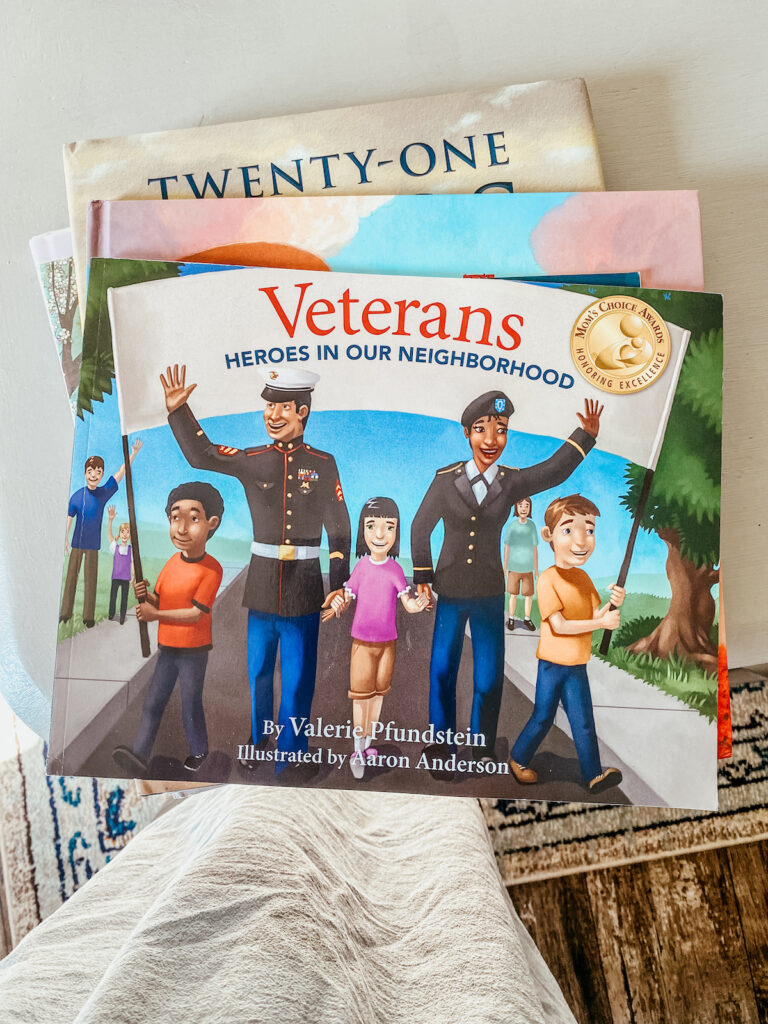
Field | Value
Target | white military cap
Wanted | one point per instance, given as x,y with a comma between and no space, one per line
289,378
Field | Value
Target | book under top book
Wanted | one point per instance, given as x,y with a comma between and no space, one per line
413,534
522,138
656,234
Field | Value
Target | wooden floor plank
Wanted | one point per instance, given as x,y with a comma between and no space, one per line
749,873
629,946
681,940
557,914
6,944
702,953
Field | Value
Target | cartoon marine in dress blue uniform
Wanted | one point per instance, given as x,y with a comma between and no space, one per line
474,500
293,492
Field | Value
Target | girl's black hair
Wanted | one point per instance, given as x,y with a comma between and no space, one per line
530,507
380,508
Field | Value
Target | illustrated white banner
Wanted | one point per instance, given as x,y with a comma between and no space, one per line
231,327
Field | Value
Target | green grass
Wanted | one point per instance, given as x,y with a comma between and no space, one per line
679,678
151,567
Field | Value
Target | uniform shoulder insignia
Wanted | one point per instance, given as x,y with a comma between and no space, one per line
514,469
257,451
225,449
450,469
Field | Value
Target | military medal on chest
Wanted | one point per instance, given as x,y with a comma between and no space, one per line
306,478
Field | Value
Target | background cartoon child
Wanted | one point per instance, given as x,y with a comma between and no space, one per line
521,561
570,612
86,511
376,582
122,564
181,603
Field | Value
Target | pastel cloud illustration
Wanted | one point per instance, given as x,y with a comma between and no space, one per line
657,234
139,228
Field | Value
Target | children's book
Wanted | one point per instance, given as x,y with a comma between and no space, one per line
523,138
492,235
657,234
52,254
328,484
552,235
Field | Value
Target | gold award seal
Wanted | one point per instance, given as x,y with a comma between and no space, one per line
620,344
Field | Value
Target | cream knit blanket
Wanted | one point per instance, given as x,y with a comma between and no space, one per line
246,905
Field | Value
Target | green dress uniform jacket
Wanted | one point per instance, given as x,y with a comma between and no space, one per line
469,565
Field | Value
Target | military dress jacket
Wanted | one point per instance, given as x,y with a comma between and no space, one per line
293,491
469,565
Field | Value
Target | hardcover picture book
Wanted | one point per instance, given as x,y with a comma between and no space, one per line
656,234
514,235
52,255
414,534
523,138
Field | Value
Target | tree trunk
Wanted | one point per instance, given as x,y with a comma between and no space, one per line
686,628
70,366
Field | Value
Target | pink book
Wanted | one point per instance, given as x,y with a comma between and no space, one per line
657,234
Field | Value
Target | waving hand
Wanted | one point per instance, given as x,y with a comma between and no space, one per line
590,421
174,382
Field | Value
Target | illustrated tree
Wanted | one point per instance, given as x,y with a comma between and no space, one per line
97,369
62,293
684,506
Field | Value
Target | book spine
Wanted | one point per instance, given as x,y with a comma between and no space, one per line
97,230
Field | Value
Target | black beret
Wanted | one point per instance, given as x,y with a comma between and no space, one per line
492,403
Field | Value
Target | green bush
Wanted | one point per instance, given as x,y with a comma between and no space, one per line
634,629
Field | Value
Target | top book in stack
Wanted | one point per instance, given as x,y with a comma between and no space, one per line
521,138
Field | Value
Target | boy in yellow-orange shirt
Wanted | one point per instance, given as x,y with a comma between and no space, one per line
570,611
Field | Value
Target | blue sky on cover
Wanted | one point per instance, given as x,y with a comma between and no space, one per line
469,241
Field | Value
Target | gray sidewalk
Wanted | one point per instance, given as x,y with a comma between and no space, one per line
663,747
108,654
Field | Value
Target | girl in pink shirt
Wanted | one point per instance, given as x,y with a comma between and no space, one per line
375,584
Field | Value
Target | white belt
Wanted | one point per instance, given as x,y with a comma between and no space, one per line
285,552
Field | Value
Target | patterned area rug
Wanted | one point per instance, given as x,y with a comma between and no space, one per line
539,840
55,832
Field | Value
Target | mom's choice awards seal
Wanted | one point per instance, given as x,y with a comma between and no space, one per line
620,344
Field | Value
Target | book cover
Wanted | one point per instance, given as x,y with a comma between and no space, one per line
523,138
52,255
389,425
657,234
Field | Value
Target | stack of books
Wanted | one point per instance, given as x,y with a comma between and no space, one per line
396,463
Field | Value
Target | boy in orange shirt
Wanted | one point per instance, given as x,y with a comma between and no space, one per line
181,603
570,611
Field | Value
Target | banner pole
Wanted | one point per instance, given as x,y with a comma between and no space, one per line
137,570
642,501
